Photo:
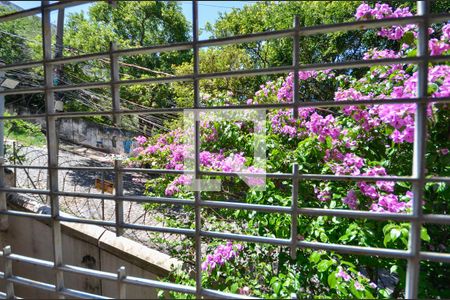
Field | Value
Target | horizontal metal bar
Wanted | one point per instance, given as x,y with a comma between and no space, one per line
81,86
159,285
154,171
367,63
437,18
356,178
37,10
359,214
350,249
32,261
311,176
24,191
235,107
232,174
438,179
154,49
22,91
88,272
168,79
246,238
240,73
51,288
162,200
242,174
23,117
170,230
81,294
32,283
16,213
358,25
21,66
428,218
208,293
78,58
246,206
435,256
436,219
247,38
311,245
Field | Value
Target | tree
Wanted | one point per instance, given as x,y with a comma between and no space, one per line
130,25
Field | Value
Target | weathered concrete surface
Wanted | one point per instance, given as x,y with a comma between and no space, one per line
84,245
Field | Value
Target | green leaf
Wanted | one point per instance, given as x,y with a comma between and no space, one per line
276,287
387,239
324,265
332,280
424,234
395,234
234,287
394,269
315,257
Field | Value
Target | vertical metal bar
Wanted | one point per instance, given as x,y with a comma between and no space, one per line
2,112
8,273
3,204
418,169
103,192
296,63
115,77
294,211
121,286
118,184
52,147
14,150
197,204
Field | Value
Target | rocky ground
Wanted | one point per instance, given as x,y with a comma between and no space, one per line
84,182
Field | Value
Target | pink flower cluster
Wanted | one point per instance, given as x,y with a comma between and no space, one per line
346,277
391,203
384,11
222,254
351,199
350,164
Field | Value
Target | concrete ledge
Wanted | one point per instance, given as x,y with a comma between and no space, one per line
133,252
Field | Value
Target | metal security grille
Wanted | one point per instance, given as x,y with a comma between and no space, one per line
413,255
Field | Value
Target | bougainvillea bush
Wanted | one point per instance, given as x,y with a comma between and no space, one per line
374,140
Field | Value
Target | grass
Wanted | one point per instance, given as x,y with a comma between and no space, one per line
26,133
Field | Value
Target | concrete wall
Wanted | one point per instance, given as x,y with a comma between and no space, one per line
84,245
79,131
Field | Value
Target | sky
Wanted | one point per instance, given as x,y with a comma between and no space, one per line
208,10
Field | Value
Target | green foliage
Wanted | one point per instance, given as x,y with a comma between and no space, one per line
27,133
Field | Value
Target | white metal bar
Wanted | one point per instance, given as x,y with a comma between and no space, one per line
52,147
294,211
121,286
3,204
197,195
419,152
115,77
296,65
234,107
118,185
8,273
